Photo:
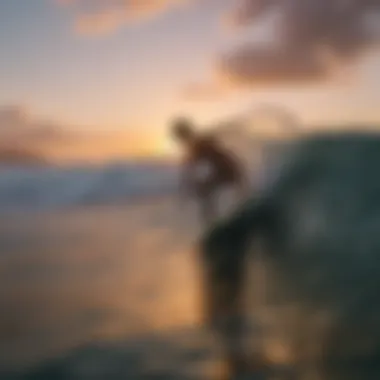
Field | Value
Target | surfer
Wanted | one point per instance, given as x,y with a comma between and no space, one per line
208,168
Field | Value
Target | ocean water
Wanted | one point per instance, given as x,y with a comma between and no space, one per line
35,189
97,266
98,272
57,187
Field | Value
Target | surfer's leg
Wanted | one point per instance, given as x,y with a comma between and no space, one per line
223,309
224,250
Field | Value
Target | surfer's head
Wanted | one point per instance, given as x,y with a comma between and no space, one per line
182,129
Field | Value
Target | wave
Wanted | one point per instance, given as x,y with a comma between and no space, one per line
40,188
25,189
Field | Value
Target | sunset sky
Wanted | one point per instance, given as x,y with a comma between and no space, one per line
94,78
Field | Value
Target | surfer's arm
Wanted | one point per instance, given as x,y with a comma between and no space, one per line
186,181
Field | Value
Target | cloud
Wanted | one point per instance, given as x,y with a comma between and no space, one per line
247,11
315,40
264,66
23,137
21,132
94,17
18,126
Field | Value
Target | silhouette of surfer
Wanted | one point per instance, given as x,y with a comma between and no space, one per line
208,168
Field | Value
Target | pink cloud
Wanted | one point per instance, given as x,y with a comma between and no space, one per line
314,39
105,16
